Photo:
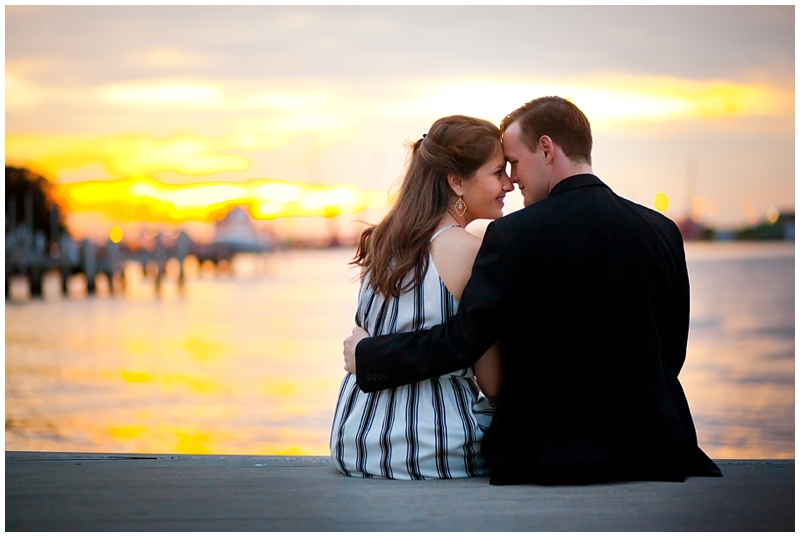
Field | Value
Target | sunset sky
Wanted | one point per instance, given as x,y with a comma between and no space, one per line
692,102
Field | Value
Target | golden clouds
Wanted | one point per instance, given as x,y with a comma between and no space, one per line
125,154
723,99
255,116
170,94
20,92
252,119
144,199
215,135
25,89
168,57
665,98
604,98
211,95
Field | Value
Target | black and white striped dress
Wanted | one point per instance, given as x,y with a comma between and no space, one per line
427,430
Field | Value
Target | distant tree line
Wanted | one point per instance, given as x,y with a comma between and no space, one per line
24,187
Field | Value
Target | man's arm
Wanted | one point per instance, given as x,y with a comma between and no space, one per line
393,360
676,333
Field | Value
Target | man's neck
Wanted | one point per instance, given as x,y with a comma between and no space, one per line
568,171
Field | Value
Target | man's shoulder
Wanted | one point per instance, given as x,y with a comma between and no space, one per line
651,215
537,211
522,220
551,210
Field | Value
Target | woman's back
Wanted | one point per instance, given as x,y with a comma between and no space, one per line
430,429
422,307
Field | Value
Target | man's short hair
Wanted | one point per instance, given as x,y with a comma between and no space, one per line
557,118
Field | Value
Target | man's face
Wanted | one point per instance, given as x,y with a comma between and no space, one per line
528,169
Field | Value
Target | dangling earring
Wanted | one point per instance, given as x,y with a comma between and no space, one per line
460,206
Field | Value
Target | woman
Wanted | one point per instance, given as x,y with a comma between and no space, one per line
415,264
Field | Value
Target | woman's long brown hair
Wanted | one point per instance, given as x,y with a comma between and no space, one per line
457,145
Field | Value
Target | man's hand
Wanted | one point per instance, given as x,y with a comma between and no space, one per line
350,348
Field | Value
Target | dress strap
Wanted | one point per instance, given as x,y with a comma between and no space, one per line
443,229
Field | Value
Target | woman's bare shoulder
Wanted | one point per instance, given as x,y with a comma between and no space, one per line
454,252
456,242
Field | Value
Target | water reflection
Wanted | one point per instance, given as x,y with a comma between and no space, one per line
251,364
739,377
238,365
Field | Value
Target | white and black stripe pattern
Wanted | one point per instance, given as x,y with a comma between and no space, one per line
386,445
426,430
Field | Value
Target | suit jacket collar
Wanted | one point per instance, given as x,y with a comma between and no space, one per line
576,181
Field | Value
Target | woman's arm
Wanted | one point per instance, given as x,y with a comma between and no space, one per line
454,253
489,372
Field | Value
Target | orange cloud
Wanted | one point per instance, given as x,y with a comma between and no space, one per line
125,154
603,97
143,199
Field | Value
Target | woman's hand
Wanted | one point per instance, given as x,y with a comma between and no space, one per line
350,348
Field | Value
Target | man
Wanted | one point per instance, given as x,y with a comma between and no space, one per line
588,295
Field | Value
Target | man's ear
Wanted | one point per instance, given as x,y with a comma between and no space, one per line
547,146
456,184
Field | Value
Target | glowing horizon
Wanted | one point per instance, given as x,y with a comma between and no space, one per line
619,100
142,199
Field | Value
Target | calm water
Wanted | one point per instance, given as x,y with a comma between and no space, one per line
252,364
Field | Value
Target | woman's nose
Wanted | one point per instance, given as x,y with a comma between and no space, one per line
508,183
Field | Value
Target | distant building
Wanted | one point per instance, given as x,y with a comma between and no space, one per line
693,231
786,221
236,233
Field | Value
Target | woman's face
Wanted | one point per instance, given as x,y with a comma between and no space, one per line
484,192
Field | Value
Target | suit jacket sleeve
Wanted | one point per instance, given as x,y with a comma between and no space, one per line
676,333
393,360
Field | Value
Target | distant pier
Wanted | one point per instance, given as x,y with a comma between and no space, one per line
35,268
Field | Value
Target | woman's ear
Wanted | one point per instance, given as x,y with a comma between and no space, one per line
456,184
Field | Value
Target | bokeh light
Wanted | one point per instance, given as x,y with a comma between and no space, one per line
773,214
115,234
662,202
750,212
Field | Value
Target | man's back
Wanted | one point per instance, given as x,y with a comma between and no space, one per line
598,337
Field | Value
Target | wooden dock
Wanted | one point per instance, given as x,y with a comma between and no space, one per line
124,492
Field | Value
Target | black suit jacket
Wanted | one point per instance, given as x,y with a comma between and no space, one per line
588,294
